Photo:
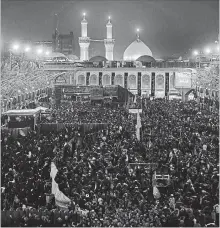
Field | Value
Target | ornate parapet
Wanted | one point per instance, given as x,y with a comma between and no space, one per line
83,40
109,41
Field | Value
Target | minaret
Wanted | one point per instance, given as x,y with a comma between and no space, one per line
84,40
109,42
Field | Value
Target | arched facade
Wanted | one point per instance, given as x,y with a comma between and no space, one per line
146,81
160,82
81,79
93,79
119,80
132,82
106,80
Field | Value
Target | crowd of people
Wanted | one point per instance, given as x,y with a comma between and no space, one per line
181,138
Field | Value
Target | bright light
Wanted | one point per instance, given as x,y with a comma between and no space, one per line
217,48
84,14
195,53
138,30
27,49
109,17
47,52
207,51
39,51
15,47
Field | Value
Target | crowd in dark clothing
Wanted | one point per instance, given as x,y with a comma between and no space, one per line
180,137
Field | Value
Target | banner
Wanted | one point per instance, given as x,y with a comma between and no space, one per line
96,93
138,131
183,80
60,199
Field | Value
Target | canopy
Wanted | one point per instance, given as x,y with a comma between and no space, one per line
23,112
42,109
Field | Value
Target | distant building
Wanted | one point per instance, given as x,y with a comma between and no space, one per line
63,43
48,45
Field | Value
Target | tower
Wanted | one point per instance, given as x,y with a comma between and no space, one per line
84,40
109,42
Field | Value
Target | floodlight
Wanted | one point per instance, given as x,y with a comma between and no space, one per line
27,49
39,51
15,47
207,50
195,52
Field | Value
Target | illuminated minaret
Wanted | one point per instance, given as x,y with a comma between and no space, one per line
109,42
84,40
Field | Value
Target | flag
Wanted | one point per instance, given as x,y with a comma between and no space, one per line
61,200
156,192
22,132
135,99
138,126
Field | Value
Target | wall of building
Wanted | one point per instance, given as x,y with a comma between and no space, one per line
156,82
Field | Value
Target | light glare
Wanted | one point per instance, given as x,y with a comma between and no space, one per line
39,51
207,50
195,53
27,49
15,47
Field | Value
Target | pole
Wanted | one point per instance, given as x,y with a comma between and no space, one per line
10,55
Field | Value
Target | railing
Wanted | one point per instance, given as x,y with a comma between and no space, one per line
117,64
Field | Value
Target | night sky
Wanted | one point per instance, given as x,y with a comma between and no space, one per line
167,27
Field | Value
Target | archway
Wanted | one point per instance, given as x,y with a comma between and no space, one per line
132,83
190,95
81,80
106,80
93,79
119,80
146,81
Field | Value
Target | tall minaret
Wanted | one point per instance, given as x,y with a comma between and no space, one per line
109,42
84,40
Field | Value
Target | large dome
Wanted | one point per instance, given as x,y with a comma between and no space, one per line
98,58
135,50
146,58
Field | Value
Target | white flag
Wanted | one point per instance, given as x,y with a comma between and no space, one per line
60,199
138,126
156,192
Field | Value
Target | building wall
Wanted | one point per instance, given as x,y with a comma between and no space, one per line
65,43
155,82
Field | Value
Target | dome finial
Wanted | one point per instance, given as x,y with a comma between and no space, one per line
138,34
